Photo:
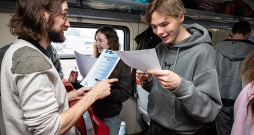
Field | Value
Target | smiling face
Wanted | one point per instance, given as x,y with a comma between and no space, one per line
56,32
168,28
101,42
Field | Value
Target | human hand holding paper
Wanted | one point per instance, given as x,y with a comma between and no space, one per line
73,76
142,76
168,79
102,68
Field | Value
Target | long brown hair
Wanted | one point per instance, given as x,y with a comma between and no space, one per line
247,73
28,21
113,42
172,8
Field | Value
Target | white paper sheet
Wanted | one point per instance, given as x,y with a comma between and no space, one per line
142,60
102,68
85,63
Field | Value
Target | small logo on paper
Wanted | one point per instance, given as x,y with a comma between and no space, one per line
110,52
86,84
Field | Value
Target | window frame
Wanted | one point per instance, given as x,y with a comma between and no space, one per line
125,30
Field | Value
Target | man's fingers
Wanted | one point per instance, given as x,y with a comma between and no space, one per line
139,72
113,80
72,72
86,88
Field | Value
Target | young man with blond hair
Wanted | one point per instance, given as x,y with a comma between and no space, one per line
184,93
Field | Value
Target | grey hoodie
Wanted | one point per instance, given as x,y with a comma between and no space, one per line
196,99
230,55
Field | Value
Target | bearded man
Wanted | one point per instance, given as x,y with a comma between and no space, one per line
34,99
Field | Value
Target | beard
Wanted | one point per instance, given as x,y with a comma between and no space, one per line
56,36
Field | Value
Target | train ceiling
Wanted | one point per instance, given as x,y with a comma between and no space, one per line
130,10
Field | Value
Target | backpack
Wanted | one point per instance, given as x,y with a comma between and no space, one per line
242,9
207,5
227,7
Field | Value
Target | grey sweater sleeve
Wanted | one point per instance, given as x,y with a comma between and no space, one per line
203,100
200,97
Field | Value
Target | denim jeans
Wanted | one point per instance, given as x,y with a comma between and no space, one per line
113,124
224,120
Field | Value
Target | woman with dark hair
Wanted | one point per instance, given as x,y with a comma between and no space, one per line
108,109
244,104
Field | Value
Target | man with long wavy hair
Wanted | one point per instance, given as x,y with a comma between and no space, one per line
34,99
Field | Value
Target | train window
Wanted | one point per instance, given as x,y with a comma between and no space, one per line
80,38
82,41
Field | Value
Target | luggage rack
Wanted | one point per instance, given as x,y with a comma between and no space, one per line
119,10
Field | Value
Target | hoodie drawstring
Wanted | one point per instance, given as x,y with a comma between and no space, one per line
164,52
176,59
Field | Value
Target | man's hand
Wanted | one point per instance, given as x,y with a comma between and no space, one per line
168,80
141,76
78,94
102,88
73,76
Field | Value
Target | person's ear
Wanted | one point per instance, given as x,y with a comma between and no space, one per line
181,18
45,14
231,34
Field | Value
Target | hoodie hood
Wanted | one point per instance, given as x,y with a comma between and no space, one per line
235,49
199,35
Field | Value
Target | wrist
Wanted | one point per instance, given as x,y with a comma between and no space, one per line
92,96
71,96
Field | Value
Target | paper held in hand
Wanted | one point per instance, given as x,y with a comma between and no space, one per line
85,63
102,68
142,60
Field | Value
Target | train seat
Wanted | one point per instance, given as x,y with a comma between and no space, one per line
98,127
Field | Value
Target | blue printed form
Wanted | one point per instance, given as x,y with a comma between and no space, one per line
102,68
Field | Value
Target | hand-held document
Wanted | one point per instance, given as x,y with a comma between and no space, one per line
85,63
102,68
142,60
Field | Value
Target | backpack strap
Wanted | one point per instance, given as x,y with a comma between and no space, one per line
88,123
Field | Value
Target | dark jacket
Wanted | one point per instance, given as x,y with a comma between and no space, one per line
112,105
